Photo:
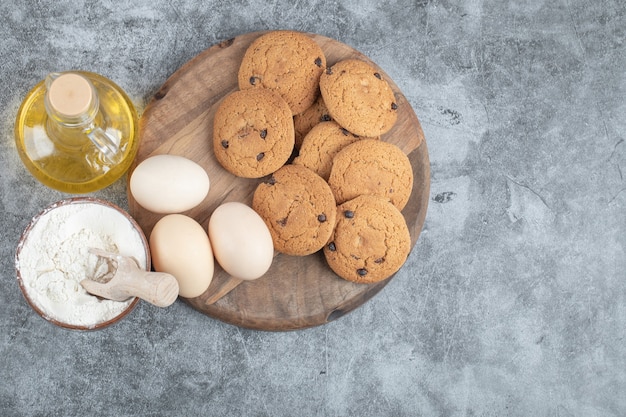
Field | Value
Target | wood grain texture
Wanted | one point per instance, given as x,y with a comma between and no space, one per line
297,292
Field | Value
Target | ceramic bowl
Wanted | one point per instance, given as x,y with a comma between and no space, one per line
88,212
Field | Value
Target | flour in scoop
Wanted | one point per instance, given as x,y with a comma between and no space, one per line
55,257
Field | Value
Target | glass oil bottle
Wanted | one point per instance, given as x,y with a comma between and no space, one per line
76,132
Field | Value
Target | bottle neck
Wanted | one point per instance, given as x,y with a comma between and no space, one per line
71,100
72,104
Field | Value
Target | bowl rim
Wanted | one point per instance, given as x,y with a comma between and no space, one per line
24,237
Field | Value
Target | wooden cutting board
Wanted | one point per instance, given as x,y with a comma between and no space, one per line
297,292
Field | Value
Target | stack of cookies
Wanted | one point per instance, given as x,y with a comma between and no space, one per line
315,134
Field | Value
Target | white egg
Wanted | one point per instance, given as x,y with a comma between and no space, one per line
169,184
241,241
180,246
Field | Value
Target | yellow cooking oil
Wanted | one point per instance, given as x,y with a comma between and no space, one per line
77,153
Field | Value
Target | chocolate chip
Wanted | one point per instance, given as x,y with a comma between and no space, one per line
332,247
361,271
260,156
263,133
377,75
225,144
321,218
253,80
379,260
329,71
318,61
282,222
394,106
325,118
349,214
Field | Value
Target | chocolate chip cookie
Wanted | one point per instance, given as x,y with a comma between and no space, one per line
253,133
370,242
287,62
359,98
370,166
298,208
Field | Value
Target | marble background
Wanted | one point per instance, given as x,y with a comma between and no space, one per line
513,301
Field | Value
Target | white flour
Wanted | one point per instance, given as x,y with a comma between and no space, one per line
55,258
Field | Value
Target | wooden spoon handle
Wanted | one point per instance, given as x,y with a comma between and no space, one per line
218,292
158,288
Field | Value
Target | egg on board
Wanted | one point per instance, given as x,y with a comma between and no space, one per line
169,184
180,246
241,241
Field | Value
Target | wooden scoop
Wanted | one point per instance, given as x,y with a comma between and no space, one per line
128,280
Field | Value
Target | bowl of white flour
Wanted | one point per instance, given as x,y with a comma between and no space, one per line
52,257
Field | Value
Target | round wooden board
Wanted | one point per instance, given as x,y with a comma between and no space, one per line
297,292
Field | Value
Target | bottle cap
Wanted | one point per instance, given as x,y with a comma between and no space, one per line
70,95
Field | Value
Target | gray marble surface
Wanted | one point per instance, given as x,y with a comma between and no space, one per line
513,301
